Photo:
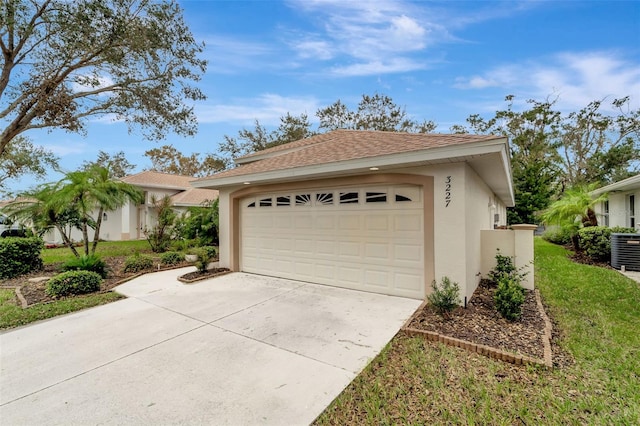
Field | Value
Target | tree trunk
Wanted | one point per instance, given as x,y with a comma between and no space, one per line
96,234
85,237
67,241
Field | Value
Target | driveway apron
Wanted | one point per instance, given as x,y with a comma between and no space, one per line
236,349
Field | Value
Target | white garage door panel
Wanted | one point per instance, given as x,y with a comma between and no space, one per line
310,236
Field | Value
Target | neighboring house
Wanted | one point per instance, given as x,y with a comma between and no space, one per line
622,204
130,221
383,212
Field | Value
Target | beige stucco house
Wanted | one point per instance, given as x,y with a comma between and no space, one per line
383,212
130,221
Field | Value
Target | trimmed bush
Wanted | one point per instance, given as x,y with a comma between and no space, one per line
509,297
558,235
171,258
19,256
445,297
138,262
596,240
73,282
91,263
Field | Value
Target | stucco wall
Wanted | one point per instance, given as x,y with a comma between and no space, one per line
463,206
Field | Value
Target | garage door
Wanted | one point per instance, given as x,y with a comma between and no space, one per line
369,239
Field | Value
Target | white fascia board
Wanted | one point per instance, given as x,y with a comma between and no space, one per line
626,184
450,153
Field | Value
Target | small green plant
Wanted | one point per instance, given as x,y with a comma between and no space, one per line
91,262
445,296
212,251
171,258
505,268
73,282
509,297
138,262
203,258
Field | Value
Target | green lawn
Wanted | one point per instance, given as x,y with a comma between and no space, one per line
105,249
12,315
598,314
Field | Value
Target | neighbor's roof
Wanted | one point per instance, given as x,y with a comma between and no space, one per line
628,184
343,145
194,197
159,180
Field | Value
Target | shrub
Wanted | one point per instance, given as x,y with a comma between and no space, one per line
505,269
596,240
560,235
91,263
19,256
171,258
138,262
203,258
182,245
509,297
445,297
212,251
73,282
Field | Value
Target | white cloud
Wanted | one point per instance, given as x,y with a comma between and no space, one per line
63,149
393,65
267,108
226,54
576,78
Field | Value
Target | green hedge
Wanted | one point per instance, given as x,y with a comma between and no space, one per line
596,240
73,282
138,262
19,256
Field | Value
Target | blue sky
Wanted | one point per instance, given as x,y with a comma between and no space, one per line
442,61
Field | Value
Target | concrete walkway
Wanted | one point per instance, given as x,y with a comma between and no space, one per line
237,349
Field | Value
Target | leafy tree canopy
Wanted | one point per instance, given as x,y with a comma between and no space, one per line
23,157
64,62
377,112
117,164
167,159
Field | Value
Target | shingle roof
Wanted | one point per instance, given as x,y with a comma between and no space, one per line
343,145
194,197
157,179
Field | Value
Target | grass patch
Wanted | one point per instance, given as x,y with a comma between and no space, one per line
105,249
12,314
598,311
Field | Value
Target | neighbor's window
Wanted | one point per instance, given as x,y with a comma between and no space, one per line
605,213
348,198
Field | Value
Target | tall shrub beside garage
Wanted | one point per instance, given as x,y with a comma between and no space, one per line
19,256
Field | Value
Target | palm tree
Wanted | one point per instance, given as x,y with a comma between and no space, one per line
574,210
72,201
93,190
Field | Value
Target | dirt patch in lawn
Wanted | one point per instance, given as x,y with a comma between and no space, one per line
33,290
481,323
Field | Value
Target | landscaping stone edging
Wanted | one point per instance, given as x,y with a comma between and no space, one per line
485,350
205,277
19,295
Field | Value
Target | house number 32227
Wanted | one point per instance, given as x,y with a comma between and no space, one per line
447,191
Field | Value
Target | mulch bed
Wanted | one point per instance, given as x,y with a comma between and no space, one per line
195,276
481,323
34,292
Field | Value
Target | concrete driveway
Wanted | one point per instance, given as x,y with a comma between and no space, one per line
237,349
